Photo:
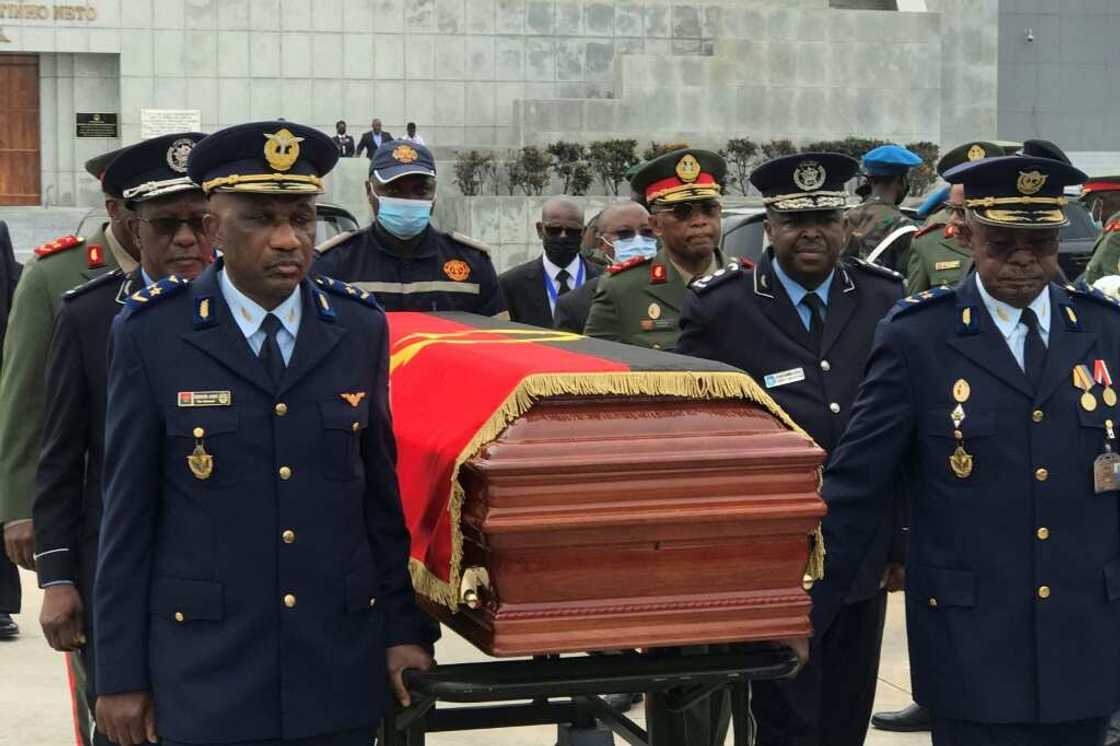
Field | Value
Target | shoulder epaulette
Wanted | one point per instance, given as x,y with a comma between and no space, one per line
1112,226
707,282
876,269
928,228
1081,291
345,290
333,241
924,299
154,293
58,246
115,276
468,241
634,261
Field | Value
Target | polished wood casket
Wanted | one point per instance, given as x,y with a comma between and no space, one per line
606,522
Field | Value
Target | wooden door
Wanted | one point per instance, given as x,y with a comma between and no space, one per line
19,129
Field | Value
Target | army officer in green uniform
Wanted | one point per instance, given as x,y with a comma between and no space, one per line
1102,194
639,301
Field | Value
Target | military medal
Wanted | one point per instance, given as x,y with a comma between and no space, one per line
1106,465
200,462
1102,376
1083,381
961,391
961,460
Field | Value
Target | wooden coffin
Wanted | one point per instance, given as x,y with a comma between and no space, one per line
622,522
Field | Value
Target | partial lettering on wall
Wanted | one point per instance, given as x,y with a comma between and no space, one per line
45,12
157,122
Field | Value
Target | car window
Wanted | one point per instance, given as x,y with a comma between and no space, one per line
1081,225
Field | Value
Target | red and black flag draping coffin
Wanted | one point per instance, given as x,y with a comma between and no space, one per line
566,493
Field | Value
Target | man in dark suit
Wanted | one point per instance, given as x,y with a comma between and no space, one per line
10,591
997,399
623,232
167,226
373,139
801,324
533,289
343,141
253,579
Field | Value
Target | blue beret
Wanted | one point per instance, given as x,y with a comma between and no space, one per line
398,158
887,160
932,202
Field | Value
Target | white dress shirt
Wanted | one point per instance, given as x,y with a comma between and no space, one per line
1007,320
249,317
552,270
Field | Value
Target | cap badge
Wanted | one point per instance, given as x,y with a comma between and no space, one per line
976,153
808,176
457,270
178,153
282,149
405,154
1030,182
688,168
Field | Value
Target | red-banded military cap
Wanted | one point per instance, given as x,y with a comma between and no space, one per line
685,175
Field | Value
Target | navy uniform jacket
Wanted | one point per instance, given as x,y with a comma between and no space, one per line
256,604
987,643
744,318
449,272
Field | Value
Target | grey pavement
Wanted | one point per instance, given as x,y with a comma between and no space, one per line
35,707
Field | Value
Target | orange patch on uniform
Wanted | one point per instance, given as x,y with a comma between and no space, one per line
457,270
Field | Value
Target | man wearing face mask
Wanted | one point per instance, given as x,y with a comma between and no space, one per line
625,233
401,258
801,323
1103,193
534,289
638,300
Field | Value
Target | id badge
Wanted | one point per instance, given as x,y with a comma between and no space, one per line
1105,476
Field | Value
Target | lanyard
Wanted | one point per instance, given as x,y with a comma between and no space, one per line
553,291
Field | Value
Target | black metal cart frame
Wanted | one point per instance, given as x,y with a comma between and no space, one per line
565,691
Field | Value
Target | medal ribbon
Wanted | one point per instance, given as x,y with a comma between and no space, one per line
1101,374
1081,377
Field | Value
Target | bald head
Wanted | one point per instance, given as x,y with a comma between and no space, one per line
561,208
626,222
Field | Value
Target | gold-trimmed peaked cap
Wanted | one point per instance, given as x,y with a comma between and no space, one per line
973,150
805,182
685,175
152,168
263,158
1016,191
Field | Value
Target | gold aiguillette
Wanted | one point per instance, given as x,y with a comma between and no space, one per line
961,460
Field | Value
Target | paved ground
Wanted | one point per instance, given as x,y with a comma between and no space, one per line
35,710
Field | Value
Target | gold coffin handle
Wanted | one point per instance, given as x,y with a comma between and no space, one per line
475,583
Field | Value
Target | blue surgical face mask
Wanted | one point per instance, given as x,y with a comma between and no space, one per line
404,218
636,245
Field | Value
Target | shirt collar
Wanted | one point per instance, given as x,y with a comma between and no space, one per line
145,278
794,289
116,248
1007,317
249,315
554,269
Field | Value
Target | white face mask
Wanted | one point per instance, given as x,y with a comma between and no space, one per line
636,245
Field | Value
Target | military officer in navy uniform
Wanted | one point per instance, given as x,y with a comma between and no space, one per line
168,210
997,399
801,324
253,583
401,258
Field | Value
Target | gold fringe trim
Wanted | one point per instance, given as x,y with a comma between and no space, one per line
682,384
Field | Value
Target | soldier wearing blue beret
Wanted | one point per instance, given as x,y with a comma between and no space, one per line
253,583
401,258
876,229
996,398
801,323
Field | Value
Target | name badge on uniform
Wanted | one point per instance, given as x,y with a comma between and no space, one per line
953,264
205,398
793,375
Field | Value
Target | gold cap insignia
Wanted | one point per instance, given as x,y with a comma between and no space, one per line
976,152
282,149
405,154
1030,182
808,176
178,153
688,168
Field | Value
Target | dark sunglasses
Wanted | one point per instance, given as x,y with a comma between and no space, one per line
626,235
561,231
170,226
685,210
